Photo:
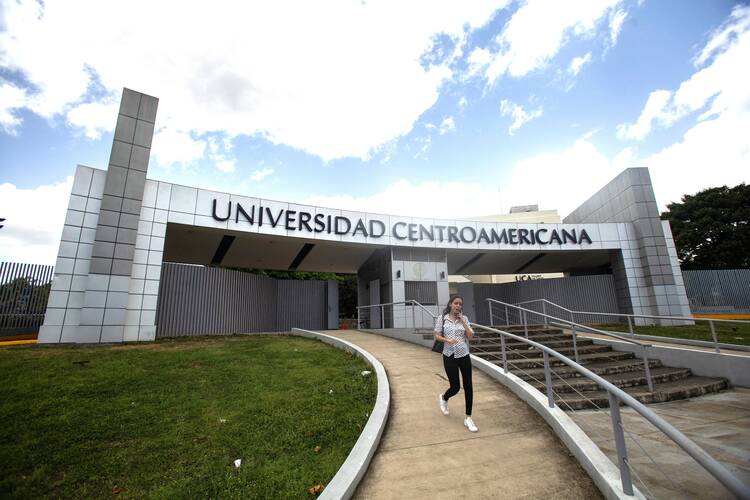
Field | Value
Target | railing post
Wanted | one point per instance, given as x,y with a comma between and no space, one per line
502,348
575,345
525,325
713,334
648,371
507,319
359,324
548,380
622,452
413,317
630,327
382,317
544,311
492,321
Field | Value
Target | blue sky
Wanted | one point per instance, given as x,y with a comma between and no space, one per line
378,106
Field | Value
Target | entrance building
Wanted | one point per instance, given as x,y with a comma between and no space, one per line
123,230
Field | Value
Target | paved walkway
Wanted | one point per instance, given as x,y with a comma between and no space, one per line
719,423
424,454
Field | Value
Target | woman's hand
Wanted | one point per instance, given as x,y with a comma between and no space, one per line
451,341
467,327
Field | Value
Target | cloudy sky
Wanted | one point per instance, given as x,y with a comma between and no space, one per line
424,108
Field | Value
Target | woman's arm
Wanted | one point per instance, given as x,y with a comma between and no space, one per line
439,332
467,327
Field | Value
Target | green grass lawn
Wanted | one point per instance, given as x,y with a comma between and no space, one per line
728,333
168,419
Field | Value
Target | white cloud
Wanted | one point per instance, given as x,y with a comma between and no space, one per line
447,125
330,88
219,151
226,166
520,116
738,22
616,20
172,146
712,153
653,111
259,175
718,88
33,221
11,99
426,199
580,168
462,103
478,61
424,144
522,187
535,34
94,117
577,63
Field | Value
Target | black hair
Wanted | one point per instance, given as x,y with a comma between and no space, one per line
450,301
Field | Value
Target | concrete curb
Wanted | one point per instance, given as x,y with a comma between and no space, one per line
407,335
597,465
346,480
602,471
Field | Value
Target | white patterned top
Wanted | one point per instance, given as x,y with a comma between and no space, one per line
453,330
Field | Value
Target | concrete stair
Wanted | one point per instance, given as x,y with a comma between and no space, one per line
572,390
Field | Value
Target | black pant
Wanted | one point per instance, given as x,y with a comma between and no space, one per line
452,366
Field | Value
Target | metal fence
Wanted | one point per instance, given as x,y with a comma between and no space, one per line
196,300
588,293
718,291
24,290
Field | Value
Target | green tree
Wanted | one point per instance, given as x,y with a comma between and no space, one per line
711,228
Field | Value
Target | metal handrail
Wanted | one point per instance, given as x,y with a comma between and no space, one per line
574,326
617,395
630,317
569,322
404,302
652,316
544,300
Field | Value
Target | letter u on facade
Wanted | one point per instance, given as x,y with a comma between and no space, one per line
229,211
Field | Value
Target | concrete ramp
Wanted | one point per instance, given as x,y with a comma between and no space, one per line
424,454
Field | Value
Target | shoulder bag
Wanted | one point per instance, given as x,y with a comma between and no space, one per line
438,345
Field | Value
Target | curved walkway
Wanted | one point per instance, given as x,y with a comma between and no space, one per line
424,454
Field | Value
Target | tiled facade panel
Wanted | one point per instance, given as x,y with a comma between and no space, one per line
74,255
649,280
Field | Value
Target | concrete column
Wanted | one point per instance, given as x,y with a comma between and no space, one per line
103,316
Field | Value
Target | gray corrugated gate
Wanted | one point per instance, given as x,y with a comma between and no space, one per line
579,293
718,290
197,300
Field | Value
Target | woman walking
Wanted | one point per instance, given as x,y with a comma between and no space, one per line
453,329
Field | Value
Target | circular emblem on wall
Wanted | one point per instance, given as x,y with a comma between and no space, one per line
419,270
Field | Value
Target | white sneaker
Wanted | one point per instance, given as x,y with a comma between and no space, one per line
469,423
443,404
